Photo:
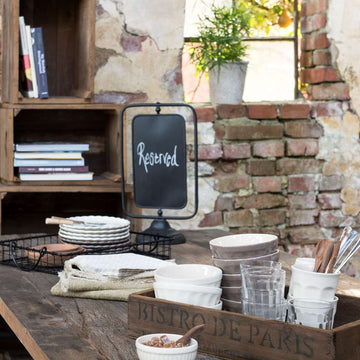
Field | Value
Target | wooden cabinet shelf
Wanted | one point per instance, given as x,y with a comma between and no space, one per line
97,125
97,186
68,32
68,115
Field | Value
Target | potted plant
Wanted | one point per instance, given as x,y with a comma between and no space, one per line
221,50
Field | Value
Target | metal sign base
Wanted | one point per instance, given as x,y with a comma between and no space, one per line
159,228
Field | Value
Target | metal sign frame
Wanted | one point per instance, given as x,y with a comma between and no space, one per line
157,106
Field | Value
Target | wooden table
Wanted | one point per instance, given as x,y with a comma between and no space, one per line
54,328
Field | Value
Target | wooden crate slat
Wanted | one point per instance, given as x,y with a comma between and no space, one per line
230,335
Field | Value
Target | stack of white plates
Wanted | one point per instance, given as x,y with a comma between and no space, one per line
98,233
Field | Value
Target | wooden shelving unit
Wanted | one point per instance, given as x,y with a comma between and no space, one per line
69,33
68,115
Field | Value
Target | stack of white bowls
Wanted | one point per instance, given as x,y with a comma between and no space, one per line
194,284
227,253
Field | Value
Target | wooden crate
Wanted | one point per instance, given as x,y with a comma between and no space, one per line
96,124
234,336
69,37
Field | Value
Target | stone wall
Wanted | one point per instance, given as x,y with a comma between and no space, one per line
290,168
138,50
269,174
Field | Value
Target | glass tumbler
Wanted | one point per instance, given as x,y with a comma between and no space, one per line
314,313
276,311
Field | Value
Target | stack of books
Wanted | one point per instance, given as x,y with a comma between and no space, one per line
33,78
51,161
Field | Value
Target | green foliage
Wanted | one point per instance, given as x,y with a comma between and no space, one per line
221,36
267,13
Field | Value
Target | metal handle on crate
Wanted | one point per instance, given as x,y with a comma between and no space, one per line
149,249
12,252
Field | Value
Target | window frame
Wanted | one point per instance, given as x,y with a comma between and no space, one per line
294,39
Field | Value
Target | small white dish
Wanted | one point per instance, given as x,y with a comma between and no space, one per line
105,223
94,234
241,246
99,246
187,293
196,274
94,231
71,236
146,352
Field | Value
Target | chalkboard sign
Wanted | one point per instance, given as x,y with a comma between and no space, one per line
159,161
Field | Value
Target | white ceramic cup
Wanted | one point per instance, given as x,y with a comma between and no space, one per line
146,352
307,284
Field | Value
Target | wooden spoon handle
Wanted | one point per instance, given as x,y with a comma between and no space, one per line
186,338
334,256
319,250
329,246
58,221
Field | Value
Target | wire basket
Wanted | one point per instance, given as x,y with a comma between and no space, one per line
21,252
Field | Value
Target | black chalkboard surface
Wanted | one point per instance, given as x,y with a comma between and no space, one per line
159,161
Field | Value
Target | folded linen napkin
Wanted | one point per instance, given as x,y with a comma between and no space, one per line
111,277
114,294
115,265
83,281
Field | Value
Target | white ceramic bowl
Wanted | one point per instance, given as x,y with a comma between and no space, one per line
146,352
231,280
232,266
232,305
196,274
188,293
231,292
241,246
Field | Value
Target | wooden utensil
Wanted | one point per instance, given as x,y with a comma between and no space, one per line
328,249
55,220
323,252
192,332
334,256
319,249
60,248
55,255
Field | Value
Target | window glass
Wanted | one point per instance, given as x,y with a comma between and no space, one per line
271,68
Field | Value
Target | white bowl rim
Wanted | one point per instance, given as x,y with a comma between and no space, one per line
317,274
187,287
232,275
252,240
150,349
231,287
164,273
277,251
230,301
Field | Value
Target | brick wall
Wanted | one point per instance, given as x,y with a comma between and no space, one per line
321,81
268,175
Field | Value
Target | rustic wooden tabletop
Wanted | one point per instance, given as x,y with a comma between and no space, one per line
54,328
